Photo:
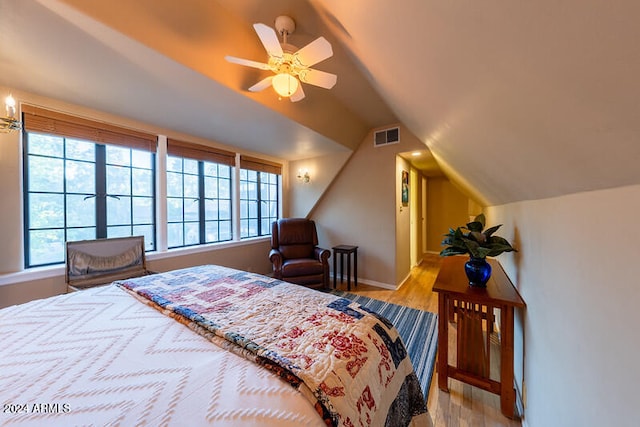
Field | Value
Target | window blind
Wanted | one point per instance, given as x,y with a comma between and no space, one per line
260,165
200,152
37,119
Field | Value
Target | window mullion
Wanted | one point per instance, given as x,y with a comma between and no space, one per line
183,177
101,192
201,202
259,199
236,214
131,196
64,188
278,197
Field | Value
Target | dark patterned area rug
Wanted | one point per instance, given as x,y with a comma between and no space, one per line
418,329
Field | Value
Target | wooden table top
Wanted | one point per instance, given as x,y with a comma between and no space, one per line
344,248
452,279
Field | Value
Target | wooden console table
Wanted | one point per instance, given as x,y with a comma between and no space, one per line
473,309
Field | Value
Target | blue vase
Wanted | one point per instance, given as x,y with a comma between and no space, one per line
478,272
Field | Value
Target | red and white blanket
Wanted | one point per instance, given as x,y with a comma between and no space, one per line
349,362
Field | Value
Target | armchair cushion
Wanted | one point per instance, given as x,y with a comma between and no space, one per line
301,267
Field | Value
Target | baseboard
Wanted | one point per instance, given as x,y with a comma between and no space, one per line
519,402
378,284
371,283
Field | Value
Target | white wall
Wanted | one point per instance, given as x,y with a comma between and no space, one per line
576,271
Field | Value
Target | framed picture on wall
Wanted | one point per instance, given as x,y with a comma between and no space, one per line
405,188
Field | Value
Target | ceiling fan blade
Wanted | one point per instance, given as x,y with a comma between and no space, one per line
247,62
316,51
297,95
318,78
269,39
261,85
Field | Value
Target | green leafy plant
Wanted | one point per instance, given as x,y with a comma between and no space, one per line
474,240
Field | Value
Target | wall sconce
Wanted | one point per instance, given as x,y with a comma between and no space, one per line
303,175
9,123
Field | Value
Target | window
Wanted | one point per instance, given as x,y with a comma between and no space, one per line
89,180
78,189
198,194
259,196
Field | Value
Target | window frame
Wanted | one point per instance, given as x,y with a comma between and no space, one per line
262,205
99,194
260,166
202,199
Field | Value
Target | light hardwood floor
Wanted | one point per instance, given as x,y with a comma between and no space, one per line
464,405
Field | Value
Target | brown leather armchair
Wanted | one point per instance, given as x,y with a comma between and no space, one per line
295,254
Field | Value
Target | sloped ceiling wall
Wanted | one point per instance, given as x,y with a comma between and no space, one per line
516,100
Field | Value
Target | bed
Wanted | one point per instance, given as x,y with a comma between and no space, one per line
205,345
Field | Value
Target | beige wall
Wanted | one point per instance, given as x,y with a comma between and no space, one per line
447,207
11,202
322,170
361,205
576,271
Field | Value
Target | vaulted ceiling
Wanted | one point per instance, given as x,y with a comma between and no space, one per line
516,100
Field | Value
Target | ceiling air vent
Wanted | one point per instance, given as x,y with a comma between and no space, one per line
386,137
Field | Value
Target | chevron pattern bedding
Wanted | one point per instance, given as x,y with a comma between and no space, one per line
101,358
351,364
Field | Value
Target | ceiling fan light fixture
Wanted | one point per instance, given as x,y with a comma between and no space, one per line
290,65
285,84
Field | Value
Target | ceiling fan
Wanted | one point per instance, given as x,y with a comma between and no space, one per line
290,64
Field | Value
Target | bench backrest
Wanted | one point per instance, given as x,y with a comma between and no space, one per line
101,261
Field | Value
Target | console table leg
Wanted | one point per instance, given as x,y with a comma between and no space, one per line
355,267
349,272
507,392
335,271
443,342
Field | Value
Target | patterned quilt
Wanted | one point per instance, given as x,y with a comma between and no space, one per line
350,363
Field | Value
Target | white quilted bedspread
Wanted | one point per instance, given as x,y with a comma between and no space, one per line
100,357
